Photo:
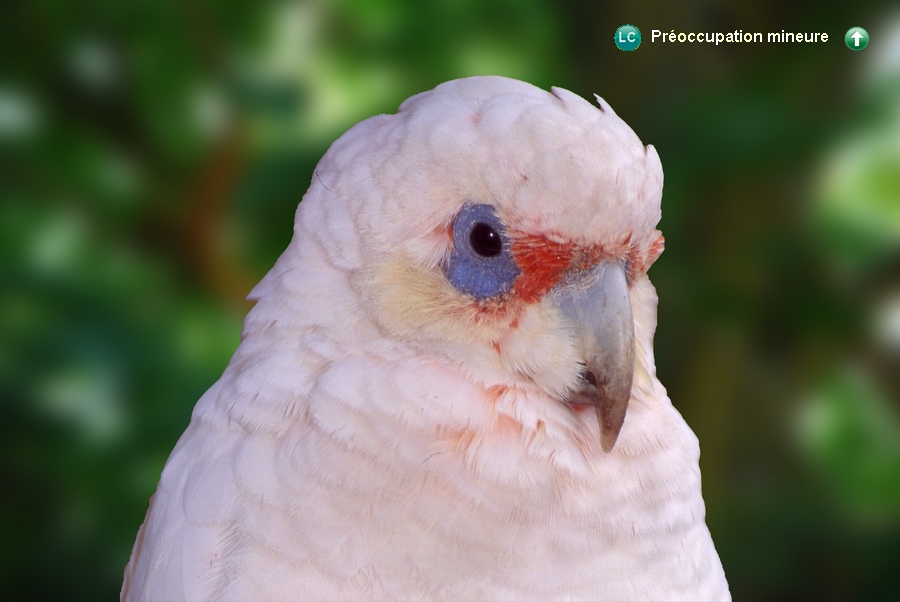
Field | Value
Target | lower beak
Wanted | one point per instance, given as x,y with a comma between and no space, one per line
600,311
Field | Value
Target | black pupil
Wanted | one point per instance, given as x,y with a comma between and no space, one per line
485,240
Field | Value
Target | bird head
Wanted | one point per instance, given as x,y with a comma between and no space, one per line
503,227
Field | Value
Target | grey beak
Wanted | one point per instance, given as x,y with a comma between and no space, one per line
599,309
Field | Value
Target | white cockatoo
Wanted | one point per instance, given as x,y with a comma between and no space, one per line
429,398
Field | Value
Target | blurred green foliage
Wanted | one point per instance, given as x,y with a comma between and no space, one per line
152,155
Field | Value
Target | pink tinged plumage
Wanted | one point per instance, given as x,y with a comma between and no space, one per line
382,434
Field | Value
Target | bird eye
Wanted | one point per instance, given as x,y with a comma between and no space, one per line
480,263
485,240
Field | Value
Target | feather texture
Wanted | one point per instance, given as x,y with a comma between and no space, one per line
379,434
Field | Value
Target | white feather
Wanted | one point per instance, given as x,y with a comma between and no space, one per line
371,440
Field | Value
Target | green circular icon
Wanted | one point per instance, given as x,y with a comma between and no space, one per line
856,38
628,37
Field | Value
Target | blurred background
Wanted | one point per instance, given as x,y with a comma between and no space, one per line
152,154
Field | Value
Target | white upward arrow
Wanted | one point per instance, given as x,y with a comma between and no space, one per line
856,37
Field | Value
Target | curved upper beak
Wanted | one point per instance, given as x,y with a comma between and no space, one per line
599,308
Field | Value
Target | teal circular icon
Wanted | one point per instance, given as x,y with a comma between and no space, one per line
856,38
628,37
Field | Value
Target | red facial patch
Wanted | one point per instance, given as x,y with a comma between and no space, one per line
542,262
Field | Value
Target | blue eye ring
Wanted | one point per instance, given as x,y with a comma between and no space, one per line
480,263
